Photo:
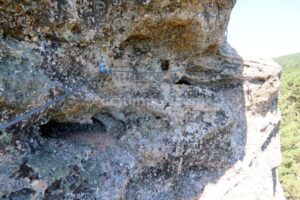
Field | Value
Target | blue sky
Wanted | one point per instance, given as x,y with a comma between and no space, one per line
265,28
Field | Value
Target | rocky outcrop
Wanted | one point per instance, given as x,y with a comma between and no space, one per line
182,116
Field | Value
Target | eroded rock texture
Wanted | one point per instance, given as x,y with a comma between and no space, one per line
192,119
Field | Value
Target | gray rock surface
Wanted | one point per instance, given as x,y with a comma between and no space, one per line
192,119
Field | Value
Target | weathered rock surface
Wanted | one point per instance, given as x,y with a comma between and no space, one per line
192,119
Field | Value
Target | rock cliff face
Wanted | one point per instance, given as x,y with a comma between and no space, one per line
181,117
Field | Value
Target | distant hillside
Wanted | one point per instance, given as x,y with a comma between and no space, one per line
290,125
292,60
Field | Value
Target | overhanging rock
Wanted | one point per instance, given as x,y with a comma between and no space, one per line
183,116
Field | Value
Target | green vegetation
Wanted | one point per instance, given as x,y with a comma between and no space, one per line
290,126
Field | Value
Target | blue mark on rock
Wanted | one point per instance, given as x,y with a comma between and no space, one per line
103,69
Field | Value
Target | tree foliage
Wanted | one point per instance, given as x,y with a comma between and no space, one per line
290,126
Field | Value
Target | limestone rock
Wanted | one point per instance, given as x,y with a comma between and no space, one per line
112,125
182,116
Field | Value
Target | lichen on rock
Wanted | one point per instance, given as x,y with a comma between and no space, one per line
183,116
